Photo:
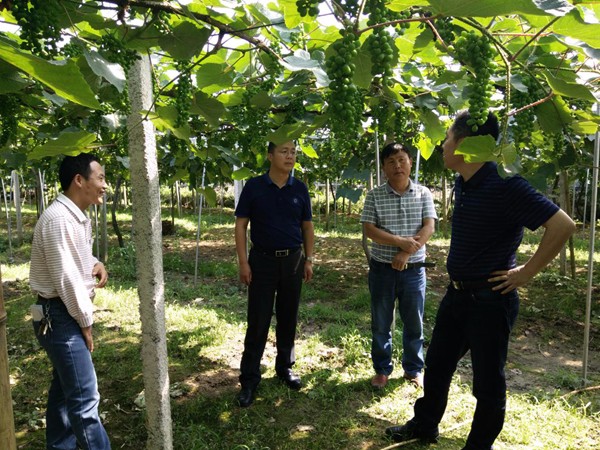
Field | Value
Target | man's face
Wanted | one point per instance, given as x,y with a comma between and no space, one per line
283,156
397,166
449,146
95,185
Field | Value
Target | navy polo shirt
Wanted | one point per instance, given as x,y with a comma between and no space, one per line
275,214
487,224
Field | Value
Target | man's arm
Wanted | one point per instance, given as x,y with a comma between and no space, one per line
558,230
241,242
422,236
308,237
408,244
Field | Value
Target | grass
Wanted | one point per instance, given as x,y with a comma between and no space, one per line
336,409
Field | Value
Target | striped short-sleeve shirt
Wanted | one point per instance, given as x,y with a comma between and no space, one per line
398,214
488,219
62,260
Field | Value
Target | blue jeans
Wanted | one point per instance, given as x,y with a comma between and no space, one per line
480,321
72,419
408,286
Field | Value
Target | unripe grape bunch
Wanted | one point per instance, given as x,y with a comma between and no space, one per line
381,43
475,51
345,100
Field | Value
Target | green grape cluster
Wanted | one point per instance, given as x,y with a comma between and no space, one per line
401,15
9,105
38,20
72,50
115,51
308,7
405,125
475,50
295,110
183,93
524,122
344,99
445,29
381,43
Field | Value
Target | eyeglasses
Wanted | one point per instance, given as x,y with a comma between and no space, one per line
287,152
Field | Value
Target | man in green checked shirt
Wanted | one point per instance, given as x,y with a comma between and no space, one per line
399,217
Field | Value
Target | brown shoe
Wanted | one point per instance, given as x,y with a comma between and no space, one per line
416,380
379,381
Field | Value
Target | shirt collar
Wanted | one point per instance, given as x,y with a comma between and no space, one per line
481,174
268,180
78,213
391,190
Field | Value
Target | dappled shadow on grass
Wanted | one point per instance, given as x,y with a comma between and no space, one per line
326,414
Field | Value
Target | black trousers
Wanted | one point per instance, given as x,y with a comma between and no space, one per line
276,282
480,321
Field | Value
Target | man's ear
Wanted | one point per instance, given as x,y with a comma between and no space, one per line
78,179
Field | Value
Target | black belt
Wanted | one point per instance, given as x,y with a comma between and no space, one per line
281,253
48,299
418,265
471,285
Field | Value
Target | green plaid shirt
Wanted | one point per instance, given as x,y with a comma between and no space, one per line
398,214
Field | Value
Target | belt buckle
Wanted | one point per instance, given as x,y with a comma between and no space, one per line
281,253
457,285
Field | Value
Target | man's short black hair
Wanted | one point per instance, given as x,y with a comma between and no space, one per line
391,149
75,165
462,130
272,147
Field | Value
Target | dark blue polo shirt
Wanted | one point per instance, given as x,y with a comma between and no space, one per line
275,214
487,224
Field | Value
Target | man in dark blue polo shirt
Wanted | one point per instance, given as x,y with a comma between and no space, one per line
277,206
481,303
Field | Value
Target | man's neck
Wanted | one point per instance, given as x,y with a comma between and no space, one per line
467,170
280,178
400,186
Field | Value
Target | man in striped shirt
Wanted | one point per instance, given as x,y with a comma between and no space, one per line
481,303
399,217
63,274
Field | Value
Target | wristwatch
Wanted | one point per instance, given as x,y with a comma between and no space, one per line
310,259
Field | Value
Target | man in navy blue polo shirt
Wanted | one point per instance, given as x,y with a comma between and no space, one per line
481,302
277,207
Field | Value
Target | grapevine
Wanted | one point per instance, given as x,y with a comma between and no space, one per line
38,20
381,43
475,51
183,93
308,7
115,51
345,100
524,120
8,117
445,29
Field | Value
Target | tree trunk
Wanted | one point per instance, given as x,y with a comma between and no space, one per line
113,211
16,191
566,206
146,218
7,424
103,232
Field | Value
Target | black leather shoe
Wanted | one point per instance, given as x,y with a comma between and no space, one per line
410,430
246,396
292,380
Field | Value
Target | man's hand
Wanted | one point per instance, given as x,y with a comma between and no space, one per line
510,279
87,337
410,244
400,260
99,272
308,271
245,273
